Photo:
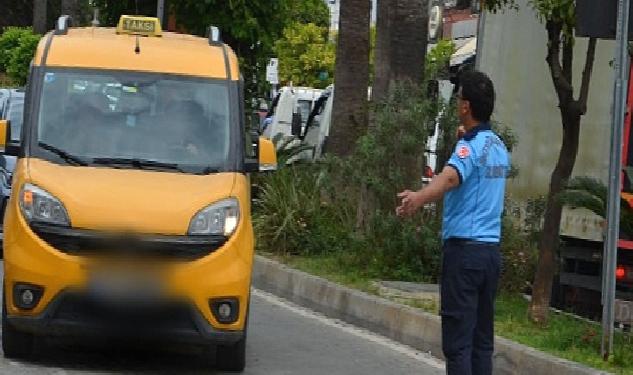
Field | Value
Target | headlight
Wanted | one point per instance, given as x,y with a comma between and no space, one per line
39,205
219,218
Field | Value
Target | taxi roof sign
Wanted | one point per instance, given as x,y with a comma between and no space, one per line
139,25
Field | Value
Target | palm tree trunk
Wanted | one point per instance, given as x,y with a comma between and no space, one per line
39,16
349,115
71,8
401,40
382,54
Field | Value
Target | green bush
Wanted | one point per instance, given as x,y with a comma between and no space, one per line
290,149
313,209
438,59
21,56
9,40
519,255
403,250
304,54
390,157
17,47
300,211
293,217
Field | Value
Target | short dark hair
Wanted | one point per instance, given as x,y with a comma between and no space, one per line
477,88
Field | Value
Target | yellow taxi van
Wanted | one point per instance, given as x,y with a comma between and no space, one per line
131,207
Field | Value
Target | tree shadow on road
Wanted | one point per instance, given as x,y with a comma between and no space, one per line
116,356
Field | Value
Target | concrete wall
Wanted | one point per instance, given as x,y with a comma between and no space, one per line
513,54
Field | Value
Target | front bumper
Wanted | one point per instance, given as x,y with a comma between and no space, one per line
62,318
224,273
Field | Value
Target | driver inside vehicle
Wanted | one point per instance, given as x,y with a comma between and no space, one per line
185,128
89,115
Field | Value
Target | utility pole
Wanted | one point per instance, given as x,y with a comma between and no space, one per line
615,166
39,16
160,12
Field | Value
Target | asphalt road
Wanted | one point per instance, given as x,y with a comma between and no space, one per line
283,339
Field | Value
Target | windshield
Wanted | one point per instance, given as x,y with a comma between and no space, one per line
123,116
304,109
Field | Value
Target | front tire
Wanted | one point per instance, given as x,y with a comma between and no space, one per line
15,344
232,357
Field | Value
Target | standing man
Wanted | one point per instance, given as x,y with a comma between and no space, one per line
472,185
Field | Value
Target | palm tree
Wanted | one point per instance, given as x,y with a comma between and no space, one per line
590,193
71,8
401,39
401,42
402,32
39,16
349,112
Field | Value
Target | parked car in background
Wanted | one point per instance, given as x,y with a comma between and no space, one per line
4,95
289,111
318,124
12,109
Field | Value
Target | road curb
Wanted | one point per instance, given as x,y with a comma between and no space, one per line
401,323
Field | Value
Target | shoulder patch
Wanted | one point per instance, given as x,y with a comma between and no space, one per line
463,152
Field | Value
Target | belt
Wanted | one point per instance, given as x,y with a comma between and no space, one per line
468,241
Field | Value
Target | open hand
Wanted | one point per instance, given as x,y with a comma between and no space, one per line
410,203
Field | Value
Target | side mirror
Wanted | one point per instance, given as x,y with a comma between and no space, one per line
266,160
5,134
7,145
267,155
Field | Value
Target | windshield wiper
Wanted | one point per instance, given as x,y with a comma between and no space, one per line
138,163
69,158
209,170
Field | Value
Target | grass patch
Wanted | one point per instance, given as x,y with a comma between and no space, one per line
327,266
565,337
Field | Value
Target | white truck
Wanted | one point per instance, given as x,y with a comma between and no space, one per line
512,47
318,123
290,104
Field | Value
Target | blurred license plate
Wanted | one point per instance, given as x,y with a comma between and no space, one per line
124,285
